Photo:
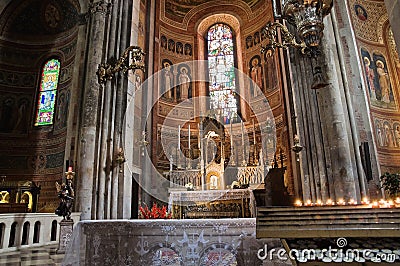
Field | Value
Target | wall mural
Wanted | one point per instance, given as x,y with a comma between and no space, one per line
175,47
256,75
387,133
361,12
378,80
176,84
177,9
15,113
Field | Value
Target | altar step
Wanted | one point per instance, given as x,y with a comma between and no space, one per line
327,221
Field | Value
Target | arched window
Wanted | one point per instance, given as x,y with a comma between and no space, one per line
47,93
221,69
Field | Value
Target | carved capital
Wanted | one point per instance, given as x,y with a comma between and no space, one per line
101,7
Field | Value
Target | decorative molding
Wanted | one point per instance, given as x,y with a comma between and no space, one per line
100,7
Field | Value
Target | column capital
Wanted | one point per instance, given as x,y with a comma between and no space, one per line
101,7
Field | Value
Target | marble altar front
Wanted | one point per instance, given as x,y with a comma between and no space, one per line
169,242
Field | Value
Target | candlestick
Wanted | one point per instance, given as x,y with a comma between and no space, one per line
179,138
189,138
254,133
242,133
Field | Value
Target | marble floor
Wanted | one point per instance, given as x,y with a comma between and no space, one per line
32,256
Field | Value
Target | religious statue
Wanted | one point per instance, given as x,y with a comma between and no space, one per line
184,80
66,195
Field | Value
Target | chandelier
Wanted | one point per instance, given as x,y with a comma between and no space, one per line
306,16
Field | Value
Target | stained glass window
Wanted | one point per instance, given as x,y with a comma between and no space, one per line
221,67
47,93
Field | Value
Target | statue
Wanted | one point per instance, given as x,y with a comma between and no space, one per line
66,194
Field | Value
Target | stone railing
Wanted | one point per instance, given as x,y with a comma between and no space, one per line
29,229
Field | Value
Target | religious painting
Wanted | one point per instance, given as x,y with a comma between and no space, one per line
361,12
256,75
167,80
270,74
378,80
188,49
396,130
184,81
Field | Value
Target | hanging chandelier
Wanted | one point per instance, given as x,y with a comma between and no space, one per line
306,16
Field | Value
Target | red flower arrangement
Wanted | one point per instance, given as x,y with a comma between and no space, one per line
155,212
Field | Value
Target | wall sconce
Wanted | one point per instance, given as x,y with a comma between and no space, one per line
296,147
131,59
120,158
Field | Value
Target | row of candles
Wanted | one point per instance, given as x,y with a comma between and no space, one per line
341,202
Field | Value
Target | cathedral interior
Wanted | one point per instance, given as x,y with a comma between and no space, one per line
206,109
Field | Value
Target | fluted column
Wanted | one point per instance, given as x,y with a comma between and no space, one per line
90,108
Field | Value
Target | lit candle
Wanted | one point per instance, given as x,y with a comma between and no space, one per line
319,202
341,202
308,203
298,203
329,202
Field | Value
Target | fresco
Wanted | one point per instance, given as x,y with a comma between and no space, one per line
378,80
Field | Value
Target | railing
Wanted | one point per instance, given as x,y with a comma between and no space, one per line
183,177
29,229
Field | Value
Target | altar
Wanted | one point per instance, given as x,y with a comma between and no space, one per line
231,203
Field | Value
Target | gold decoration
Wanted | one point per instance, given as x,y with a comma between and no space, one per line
131,59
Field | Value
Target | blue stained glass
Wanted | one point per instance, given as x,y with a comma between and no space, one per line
47,94
221,68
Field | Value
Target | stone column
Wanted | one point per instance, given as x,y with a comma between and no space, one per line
393,9
88,155
336,121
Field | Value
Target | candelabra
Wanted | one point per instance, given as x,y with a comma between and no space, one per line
307,17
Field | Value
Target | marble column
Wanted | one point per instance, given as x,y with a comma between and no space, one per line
105,148
336,117
88,134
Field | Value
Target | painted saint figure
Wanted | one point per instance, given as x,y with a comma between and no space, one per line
384,81
369,73
256,75
184,81
168,80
